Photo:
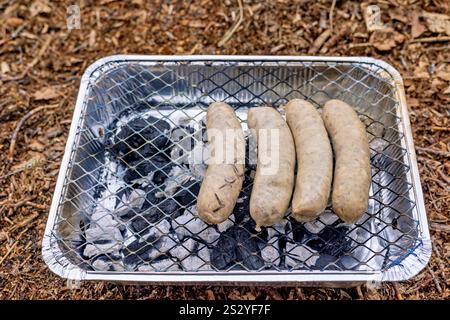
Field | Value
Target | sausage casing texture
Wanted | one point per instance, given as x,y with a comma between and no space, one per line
314,160
352,175
225,174
274,179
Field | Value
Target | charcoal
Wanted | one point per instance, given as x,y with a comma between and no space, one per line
248,249
141,224
148,135
157,168
331,241
140,247
299,232
137,251
223,226
160,265
298,255
328,262
184,249
316,226
184,142
197,261
103,236
237,244
108,263
241,211
134,201
151,200
131,259
187,194
146,218
154,244
224,253
177,177
123,193
190,225
270,252
170,207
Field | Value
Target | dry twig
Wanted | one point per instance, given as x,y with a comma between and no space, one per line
319,41
333,4
435,279
433,151
430,39
233,29
19,125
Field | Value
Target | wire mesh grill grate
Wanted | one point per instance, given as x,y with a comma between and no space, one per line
129,195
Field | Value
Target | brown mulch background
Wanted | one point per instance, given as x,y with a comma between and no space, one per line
41,63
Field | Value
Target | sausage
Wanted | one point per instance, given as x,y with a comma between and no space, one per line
274,178
352,175
225,174
314,160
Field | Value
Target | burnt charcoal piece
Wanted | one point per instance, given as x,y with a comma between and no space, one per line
183,143
148,135
170,207
187,193
150,197
327,262
224,253
238,244
299,232
204,132
184,134
107,263
137,251
159,165
248,251
122,193
241,209
146,218
331,241
98,190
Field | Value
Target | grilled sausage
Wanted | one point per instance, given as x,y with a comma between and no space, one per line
314,160
225,174
352,176
274,179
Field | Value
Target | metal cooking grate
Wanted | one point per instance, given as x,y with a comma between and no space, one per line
129,194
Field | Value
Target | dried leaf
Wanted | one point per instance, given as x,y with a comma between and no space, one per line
386,39
197,24
210,295
4,67
436,22
345,295
14,22
47,94
37,146
421,70
444,75
3,236
92,36
417,28
446,91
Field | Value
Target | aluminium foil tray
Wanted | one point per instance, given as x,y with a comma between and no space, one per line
106,224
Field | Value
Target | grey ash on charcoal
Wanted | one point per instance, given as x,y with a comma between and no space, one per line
146,217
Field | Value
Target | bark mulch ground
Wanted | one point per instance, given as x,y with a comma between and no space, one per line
41,63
